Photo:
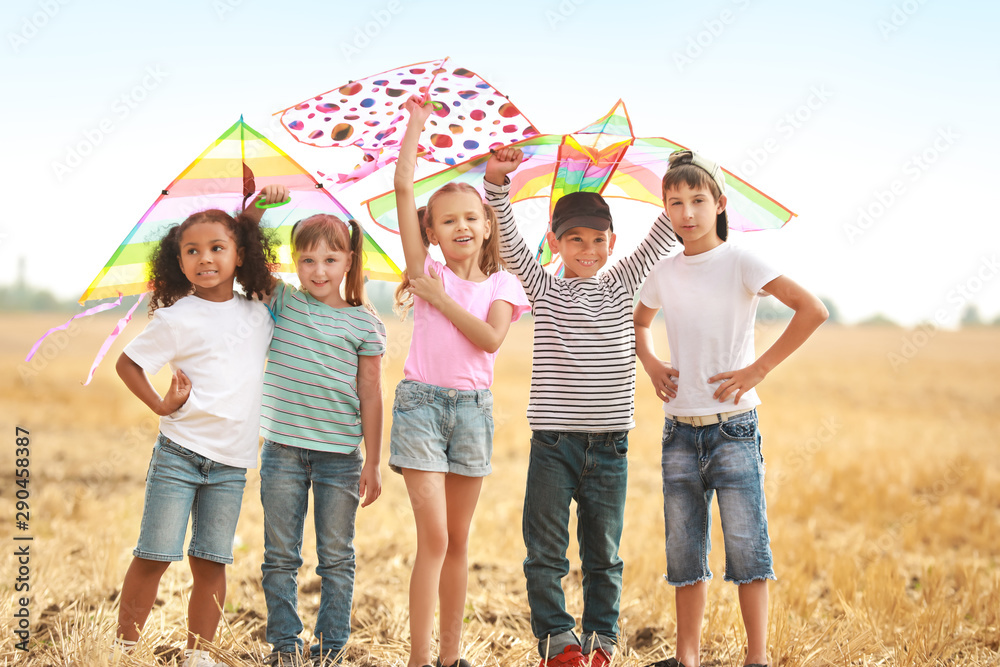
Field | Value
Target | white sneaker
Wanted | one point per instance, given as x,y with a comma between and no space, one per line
199,658
121,648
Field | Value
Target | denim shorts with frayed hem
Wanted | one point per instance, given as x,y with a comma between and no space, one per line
702,461
181,484
436,429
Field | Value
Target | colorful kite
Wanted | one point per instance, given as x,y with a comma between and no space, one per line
603,157
237,165
225,176
470,116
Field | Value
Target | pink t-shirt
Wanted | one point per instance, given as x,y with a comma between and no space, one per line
440,354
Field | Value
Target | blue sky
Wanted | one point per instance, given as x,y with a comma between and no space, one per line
871,120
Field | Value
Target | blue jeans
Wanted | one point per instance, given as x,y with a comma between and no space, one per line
698,462
285,476
592,469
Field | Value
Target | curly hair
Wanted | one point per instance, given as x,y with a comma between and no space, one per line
168,283
489,256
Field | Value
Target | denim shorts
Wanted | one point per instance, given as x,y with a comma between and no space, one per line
436,429
182,484
723,459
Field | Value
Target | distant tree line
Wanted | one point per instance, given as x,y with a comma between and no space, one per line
26,298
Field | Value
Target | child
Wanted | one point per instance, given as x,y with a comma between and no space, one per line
322,396
442,418
215,341
580,411
709,295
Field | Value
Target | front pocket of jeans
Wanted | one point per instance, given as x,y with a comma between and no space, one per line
170,447
407,400
744,429
669,428
547,439
621,445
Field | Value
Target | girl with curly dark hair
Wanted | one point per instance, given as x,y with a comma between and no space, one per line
215,341
255,257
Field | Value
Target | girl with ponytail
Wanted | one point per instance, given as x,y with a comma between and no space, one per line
322,398
442,416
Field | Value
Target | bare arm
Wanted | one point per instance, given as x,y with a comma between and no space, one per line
138,383
487,335
406,203
660,372
269,194
809,314
370,395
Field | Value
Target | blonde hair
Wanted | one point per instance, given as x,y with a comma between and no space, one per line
308,233
489,255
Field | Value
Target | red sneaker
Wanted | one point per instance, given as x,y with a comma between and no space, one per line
597,658
571,656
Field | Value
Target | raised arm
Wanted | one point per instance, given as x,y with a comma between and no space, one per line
632,270
516,254
406,204
661,373
809,314
269,194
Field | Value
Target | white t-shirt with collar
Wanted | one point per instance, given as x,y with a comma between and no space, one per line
221,347
709,303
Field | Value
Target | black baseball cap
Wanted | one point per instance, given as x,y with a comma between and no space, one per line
581,209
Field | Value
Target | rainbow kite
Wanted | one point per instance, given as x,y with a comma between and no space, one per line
229,172
225,176
604,157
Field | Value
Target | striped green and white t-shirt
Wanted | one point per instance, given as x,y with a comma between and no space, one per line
311,380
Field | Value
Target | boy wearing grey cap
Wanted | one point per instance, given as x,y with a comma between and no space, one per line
580,410
711,443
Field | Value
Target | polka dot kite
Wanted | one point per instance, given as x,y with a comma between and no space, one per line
364,113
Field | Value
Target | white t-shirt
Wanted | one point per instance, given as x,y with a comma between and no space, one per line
709,302
221,347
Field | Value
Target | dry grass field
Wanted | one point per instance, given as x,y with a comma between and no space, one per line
883,493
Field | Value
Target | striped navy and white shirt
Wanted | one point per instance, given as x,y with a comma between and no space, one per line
583,365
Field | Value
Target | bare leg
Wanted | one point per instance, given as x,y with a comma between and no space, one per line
208,595
138,595
691,602
462,494
427,497
753,606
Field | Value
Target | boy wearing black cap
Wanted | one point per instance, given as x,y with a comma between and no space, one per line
580,410
711,444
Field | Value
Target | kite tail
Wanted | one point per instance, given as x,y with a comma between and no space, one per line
120,327
64,326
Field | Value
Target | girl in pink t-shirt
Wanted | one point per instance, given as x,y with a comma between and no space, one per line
442,418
